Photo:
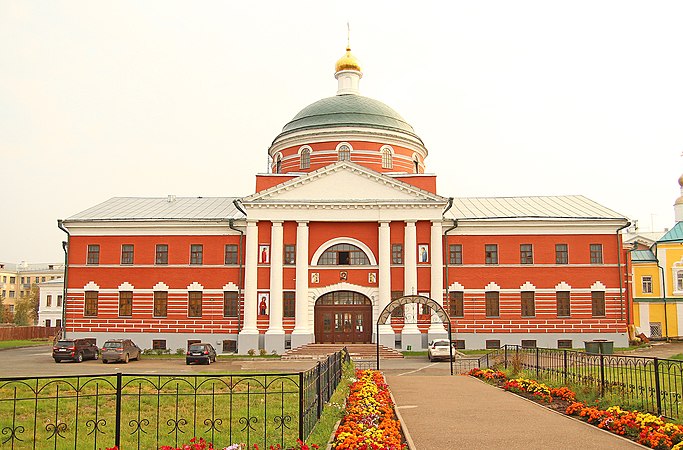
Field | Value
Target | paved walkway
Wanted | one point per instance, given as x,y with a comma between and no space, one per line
444,412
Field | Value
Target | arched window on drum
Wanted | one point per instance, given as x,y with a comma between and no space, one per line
343,255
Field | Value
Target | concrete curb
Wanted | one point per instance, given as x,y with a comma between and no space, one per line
566,416
406,433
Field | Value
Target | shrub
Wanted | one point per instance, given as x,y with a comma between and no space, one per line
251,352
180,351
262,352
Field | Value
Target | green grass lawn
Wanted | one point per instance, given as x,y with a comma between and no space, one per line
25,343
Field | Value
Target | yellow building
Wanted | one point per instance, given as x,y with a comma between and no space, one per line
16,279
657,286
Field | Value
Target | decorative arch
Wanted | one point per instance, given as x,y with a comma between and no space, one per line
344,150
420,300
563,287
455,286
387,153
598,286
230,287
366,291
416,163
195,287
492,286
126,286
343,240
160,286
527,286
305,157
91,286
278,163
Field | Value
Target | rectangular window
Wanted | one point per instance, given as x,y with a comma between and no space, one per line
290,254
528,304
647,284
90,309
127,254
160,304
231,257
194,304
492,304
196,254
456,305
565,343
596,253
455,254
158,344
528,343
48,300
396,253
563,304
48,323
561,254
526,254
11,295
288,304
598,303
93,254
23,280
492,344
161,258
59,300
230,303
491,251
398,312
12,280
58,323
125,304
459,344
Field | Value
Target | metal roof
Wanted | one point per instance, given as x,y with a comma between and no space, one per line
673,235
642,256
546,207
161,208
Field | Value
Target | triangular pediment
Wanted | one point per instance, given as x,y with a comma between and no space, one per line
344,182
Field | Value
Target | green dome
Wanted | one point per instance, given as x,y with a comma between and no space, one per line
348,110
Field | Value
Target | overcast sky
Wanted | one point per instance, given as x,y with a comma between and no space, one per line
105,99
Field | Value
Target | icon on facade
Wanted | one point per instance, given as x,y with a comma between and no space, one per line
263,300
315,278
423,252
264,254
343,275
372,277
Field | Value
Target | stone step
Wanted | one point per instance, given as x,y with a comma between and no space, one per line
356,351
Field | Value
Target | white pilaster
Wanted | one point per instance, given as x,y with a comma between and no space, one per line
248,337
302,333
275,336
386,333
436,329
410,335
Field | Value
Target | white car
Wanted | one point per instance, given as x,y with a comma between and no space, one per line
438,349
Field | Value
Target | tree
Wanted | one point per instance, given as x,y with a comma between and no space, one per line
2,309
26,308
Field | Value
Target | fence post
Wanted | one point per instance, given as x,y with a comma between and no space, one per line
506,357
302,406
658,388
537,364
564,367
318,390
117,425
602,375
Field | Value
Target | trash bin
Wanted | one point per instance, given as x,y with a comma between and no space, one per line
606,347
592,347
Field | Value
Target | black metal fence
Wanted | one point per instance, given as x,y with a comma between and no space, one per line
651,384
144,411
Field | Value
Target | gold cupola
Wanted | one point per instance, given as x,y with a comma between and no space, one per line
347,62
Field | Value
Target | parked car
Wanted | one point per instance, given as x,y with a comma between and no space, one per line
438,349
75,350
200,352
120,350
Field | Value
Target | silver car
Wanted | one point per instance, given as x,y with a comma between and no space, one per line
119,350
438,349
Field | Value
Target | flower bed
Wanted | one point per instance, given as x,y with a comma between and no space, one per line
370,422
644,428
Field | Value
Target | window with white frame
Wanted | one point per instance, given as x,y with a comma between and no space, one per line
344,152
679,280
387,158
305,158
647,284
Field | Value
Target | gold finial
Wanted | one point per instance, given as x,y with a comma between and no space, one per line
348,61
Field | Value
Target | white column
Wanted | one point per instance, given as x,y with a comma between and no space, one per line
386,333
302,334
248,337
411,334
275,336
436,329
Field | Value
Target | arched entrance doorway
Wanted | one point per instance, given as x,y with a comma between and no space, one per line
343,317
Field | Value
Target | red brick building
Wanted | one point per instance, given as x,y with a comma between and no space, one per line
347,219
